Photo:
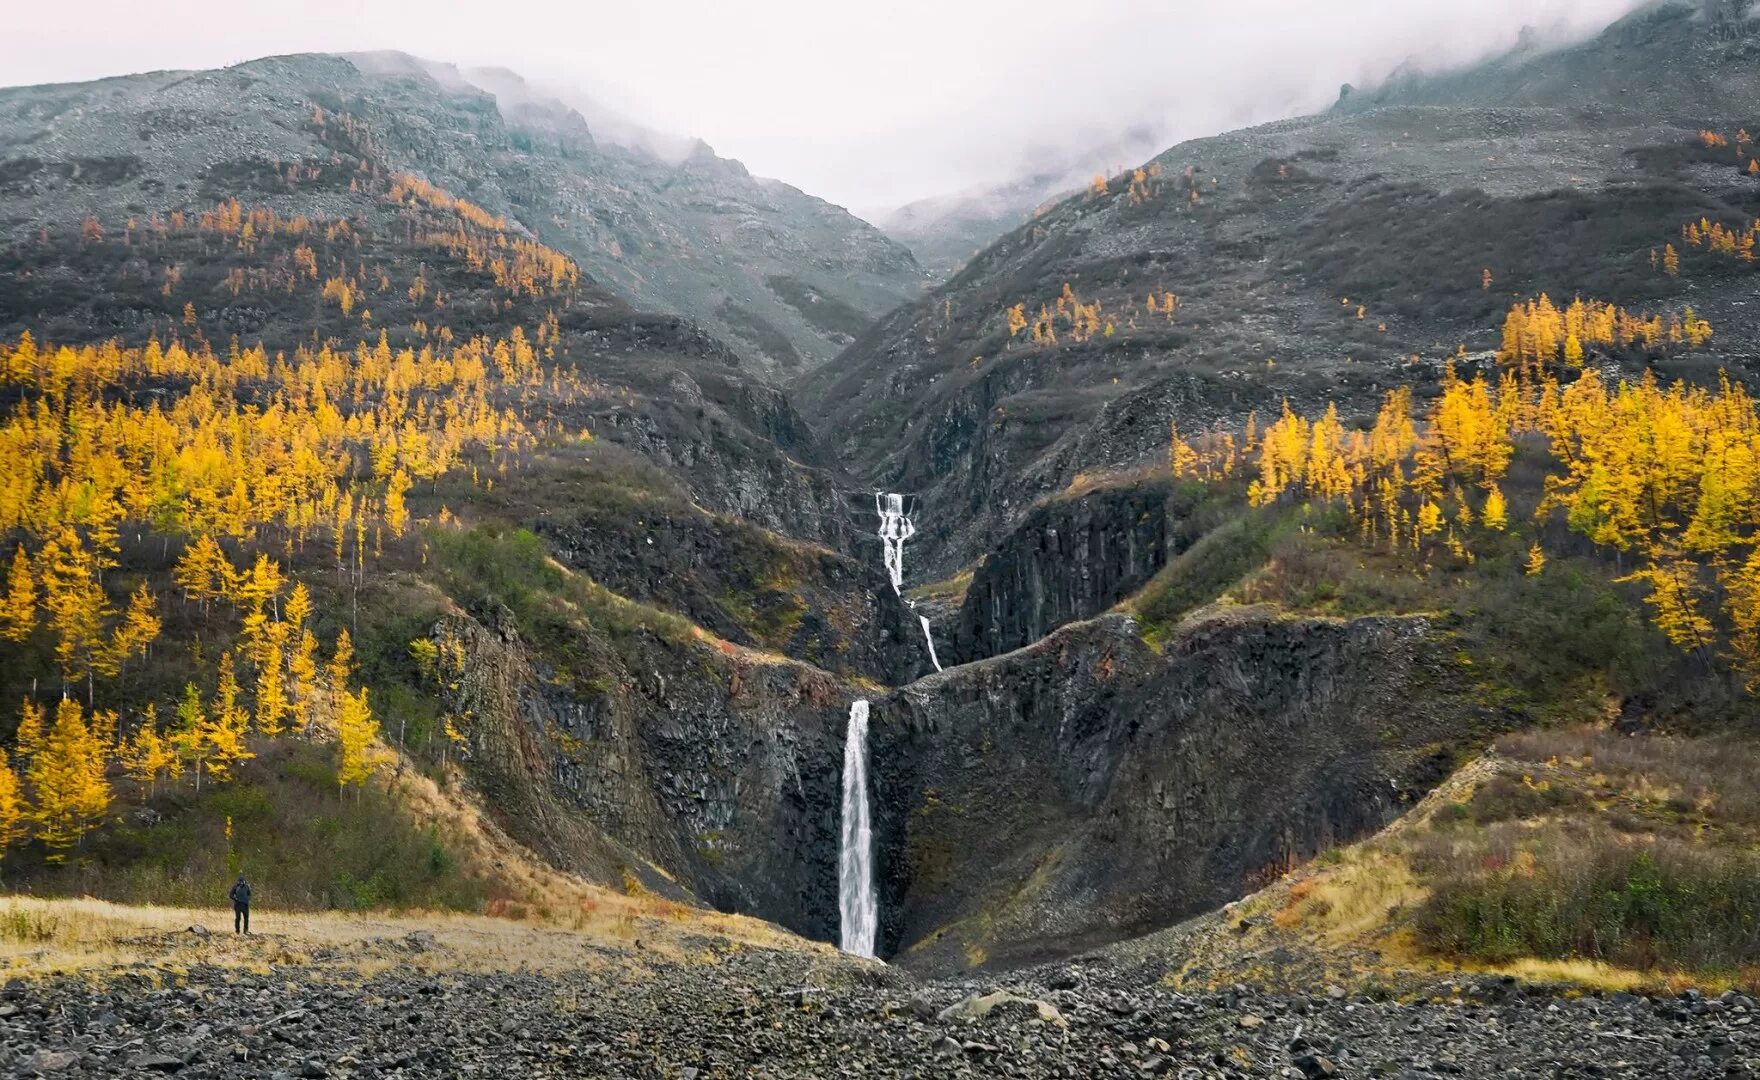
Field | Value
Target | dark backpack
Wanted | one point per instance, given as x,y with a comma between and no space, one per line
241,893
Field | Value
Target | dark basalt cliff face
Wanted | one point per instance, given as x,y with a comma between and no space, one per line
680,766
1071,559
1088,789
1080,791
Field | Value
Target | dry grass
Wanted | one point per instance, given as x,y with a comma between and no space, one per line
1709,776
42,937
537,917
1542,812
1347,902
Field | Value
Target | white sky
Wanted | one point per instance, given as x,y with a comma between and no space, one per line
867,104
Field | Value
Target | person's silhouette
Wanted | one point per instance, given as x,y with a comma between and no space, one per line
241,905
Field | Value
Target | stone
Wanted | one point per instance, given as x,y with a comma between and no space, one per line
158,1063
1316,1066
1251,1022
977,1006
50,1061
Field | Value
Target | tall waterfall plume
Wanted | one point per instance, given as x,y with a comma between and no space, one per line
856,903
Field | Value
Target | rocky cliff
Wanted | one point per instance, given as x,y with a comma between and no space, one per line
1072,558
1087,788
674,764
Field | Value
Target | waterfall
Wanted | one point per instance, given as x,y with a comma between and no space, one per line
930,638
856,903
895,529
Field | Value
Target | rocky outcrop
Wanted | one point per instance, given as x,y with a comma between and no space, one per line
745,584
1088,789
1072,558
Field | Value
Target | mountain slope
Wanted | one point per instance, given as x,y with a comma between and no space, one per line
790,277
947,230
1309,259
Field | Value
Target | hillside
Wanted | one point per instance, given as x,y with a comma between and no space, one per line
789,277
945,231
1311,259
304,503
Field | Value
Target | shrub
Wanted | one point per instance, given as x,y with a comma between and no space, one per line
1584,891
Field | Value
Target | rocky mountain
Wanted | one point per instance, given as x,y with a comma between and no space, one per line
790,278
1326,257
946,230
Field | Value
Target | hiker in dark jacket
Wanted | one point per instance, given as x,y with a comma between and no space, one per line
241,905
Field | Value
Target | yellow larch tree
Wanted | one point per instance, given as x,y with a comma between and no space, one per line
18,607
147,755
356,729
226,724
67,781
13,810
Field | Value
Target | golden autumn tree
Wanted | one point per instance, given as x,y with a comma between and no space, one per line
13,810
189,739
203,572
356,729
147,755
18,607
1495,514
1742,586
224,732
67,781
76,605
138,628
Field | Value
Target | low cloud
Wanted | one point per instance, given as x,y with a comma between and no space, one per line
870,106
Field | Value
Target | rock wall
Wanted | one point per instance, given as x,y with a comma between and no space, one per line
1079,791
1072,558
1088,789
721,770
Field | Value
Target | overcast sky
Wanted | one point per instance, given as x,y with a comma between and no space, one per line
867,104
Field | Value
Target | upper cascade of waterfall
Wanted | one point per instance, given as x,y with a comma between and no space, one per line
857,905
895,529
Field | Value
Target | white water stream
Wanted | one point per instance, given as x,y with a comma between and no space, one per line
895,528
930,638
856,903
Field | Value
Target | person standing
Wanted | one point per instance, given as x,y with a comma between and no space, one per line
241,905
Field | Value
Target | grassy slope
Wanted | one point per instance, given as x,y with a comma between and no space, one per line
1573,856
409,839
1563,852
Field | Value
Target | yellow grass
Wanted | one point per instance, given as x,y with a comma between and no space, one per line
1352,901
543,919
43,937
